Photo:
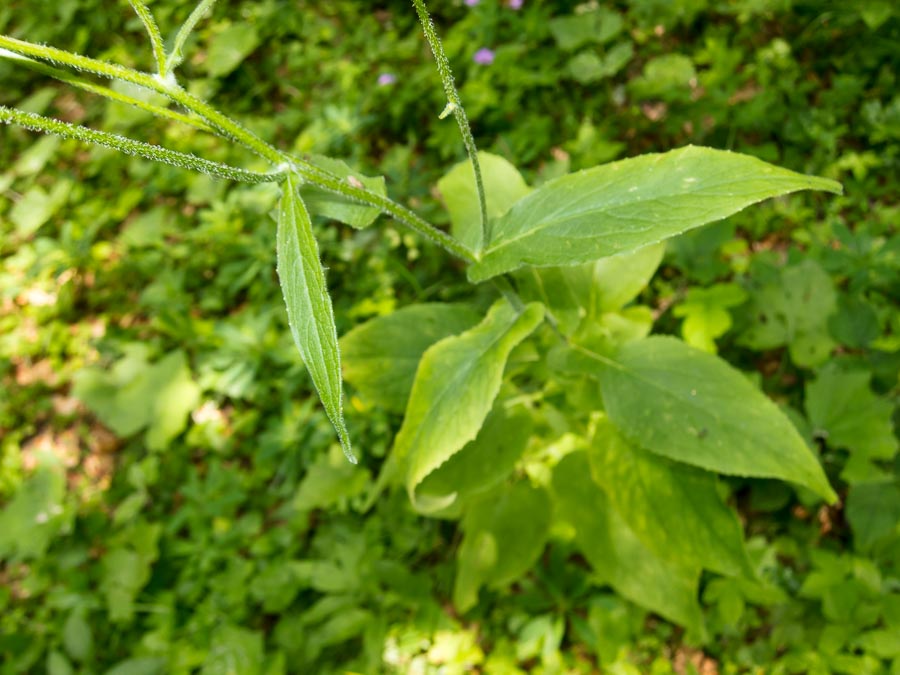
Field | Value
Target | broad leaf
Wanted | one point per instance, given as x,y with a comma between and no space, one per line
616,554
628,204
503,187
456,384
674,509
309,311
504,533
693,407
380,356
324,203
483,462
844,411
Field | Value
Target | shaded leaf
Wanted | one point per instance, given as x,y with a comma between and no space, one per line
380,357
309,311
629,204
674,509
504,533
873,511
615,552
843,410
483,462
230,47
693,407
456,384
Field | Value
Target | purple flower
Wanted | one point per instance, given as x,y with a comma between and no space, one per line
484,56
386,79
472,3
515,4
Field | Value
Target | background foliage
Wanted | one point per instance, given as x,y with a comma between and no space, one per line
173,497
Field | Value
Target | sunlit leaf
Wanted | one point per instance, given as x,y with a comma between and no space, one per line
456,384
692,407
628,204
380,357
309,311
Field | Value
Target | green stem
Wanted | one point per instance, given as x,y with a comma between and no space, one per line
106,92
234,130
455,105
176,56
132,147
159,53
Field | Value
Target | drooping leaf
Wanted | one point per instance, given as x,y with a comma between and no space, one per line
629,204
503,187
615,552
848,415
483,462
693,407
504,532
380,356
324,203
674,509
309,311
456,384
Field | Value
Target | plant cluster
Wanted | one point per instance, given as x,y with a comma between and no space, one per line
604,475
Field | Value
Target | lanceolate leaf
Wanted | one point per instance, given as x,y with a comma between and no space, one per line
456,384
628,204
674,509
616,554
310,315
691,406
380,356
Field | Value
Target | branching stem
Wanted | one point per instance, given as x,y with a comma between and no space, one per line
146,16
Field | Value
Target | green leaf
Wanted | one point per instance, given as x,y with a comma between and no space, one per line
310,315
456,384
483,462
503,186
235,651
136,394
78,639
142,665
628,204
327,481
794,311
706,315
327,204
230,47
31,520
126,570
597,25
615,552
873,511
582,293
844,411
380,356
693,407
504,533
674,509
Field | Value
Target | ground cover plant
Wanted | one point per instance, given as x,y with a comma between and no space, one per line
568,461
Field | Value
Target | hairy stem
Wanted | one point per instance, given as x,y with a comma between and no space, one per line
232,129
146,16
132,147
455,105
176,56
